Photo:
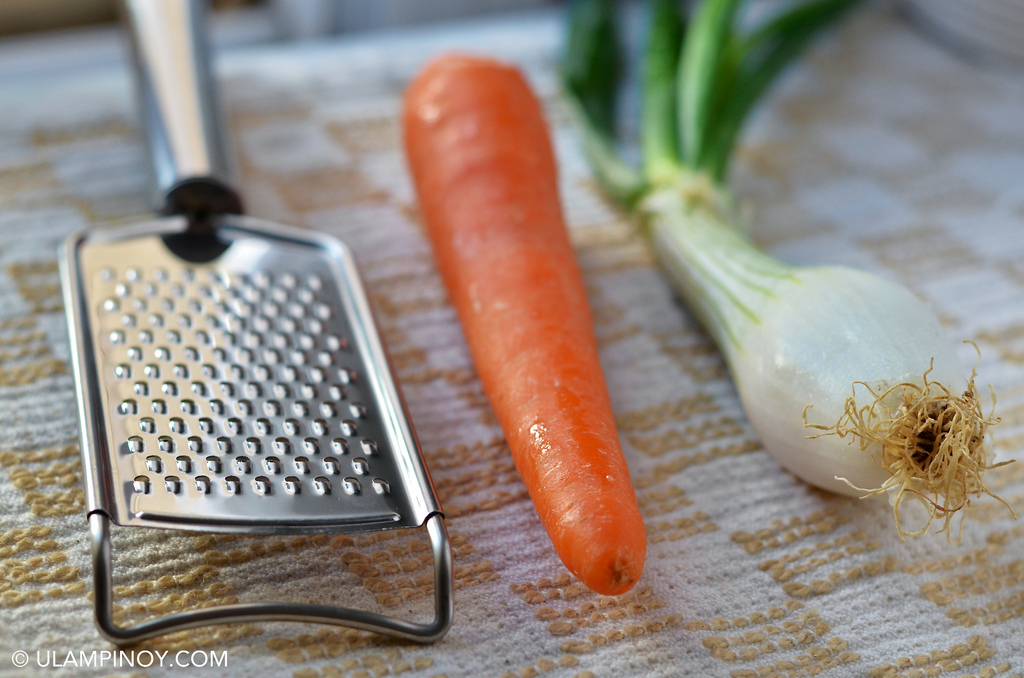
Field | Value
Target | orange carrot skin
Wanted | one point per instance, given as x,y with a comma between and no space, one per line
486,178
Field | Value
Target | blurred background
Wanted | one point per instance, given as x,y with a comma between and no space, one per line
281,19
982,30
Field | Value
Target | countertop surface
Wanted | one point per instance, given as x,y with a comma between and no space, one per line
880,150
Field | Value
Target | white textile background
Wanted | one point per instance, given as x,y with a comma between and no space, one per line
879,150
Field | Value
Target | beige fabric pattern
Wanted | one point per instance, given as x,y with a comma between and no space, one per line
880,150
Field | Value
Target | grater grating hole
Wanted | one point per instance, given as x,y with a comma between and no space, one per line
262,485
292,485
321,485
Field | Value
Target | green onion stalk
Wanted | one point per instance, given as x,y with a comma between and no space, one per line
847,378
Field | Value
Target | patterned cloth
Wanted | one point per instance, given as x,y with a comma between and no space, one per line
880,150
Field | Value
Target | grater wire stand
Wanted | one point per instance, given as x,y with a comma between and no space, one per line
99,526
229,373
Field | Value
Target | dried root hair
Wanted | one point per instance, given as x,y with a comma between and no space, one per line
932,444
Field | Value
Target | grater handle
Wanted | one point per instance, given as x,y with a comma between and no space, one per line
188,157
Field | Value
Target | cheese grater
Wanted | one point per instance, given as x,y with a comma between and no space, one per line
229,373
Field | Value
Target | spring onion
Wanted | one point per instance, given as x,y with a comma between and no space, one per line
848,379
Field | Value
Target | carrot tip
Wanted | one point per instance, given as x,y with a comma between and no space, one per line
614,574
622,575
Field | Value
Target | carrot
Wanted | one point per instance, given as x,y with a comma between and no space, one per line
486,178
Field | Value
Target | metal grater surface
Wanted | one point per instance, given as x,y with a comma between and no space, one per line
250,393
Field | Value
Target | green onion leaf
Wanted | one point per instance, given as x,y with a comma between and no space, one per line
618,177
659,138
766,53
591,63
590,70
701,77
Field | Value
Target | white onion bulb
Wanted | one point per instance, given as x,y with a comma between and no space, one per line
848,379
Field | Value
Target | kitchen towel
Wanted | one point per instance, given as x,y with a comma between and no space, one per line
879,150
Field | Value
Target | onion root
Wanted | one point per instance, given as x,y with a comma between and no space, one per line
930,440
